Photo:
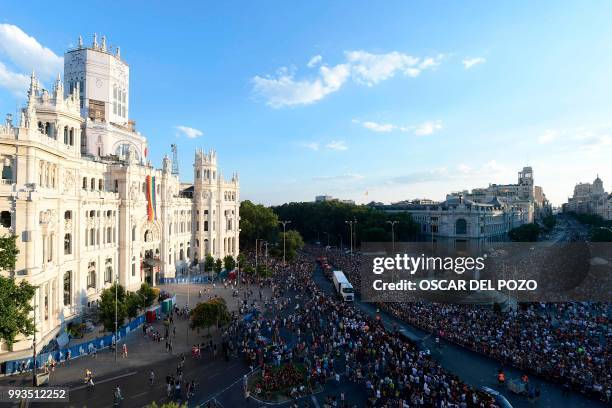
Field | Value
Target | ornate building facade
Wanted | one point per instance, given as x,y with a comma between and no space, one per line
590,198
87,207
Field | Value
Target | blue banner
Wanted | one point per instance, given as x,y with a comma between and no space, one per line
72,352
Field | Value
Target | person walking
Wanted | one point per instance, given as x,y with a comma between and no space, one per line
117,397
124,352
151,378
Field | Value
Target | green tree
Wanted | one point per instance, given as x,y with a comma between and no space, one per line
257,222
210,262
293,243
249,270
107,307
218,265
8,252
241,260
133,302
549,221
601,234
166,405
15,309
229,263
146,292
525,233
209,313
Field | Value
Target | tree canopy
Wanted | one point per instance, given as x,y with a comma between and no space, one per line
107,307
316,221
257,222
525,233
15,309
15,299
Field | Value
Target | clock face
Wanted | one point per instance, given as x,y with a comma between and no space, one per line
99,83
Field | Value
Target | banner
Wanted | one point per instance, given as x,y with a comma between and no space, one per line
151,214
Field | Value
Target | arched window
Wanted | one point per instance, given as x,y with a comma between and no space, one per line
84,183
148,237
100,184
68,215
68,288
67,244
66,135
461,226
91,275
93,184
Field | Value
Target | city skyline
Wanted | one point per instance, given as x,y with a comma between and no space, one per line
431,103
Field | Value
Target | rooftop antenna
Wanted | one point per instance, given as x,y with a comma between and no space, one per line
175,164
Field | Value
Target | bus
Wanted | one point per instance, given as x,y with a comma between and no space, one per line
343,286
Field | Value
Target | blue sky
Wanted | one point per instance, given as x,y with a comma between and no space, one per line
361,100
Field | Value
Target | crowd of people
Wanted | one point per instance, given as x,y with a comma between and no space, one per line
335,342
569,343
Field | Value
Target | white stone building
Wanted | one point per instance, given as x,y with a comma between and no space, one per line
524,194
590,198
86,205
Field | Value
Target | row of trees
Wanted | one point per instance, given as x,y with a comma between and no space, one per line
326,222
600,229
128,304
261,223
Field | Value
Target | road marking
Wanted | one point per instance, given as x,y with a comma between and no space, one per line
139,395
314,401
104,381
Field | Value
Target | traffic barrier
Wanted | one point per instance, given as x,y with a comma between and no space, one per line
78,350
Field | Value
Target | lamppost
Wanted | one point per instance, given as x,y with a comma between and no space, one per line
284,236
116,296
34,341
393,233
350,224
188,287
256,250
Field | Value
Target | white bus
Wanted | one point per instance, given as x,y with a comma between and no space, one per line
343,286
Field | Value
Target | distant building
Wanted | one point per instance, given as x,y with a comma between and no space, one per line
524,194
483,213
323,198
590,198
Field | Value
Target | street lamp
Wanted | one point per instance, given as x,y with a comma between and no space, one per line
116,331
284,236
350,224
188,287
34,341
393,233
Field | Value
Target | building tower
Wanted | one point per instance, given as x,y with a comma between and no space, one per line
204,199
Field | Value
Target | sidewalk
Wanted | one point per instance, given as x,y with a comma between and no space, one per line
142,351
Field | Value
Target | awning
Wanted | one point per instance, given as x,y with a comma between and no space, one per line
152,262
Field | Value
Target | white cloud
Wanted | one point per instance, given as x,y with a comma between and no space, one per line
548,136
340,177
190,132
26,53
314,61
337,145
424,129
370,69
427,128
13,81
311,145
283,89
378,127
469,63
